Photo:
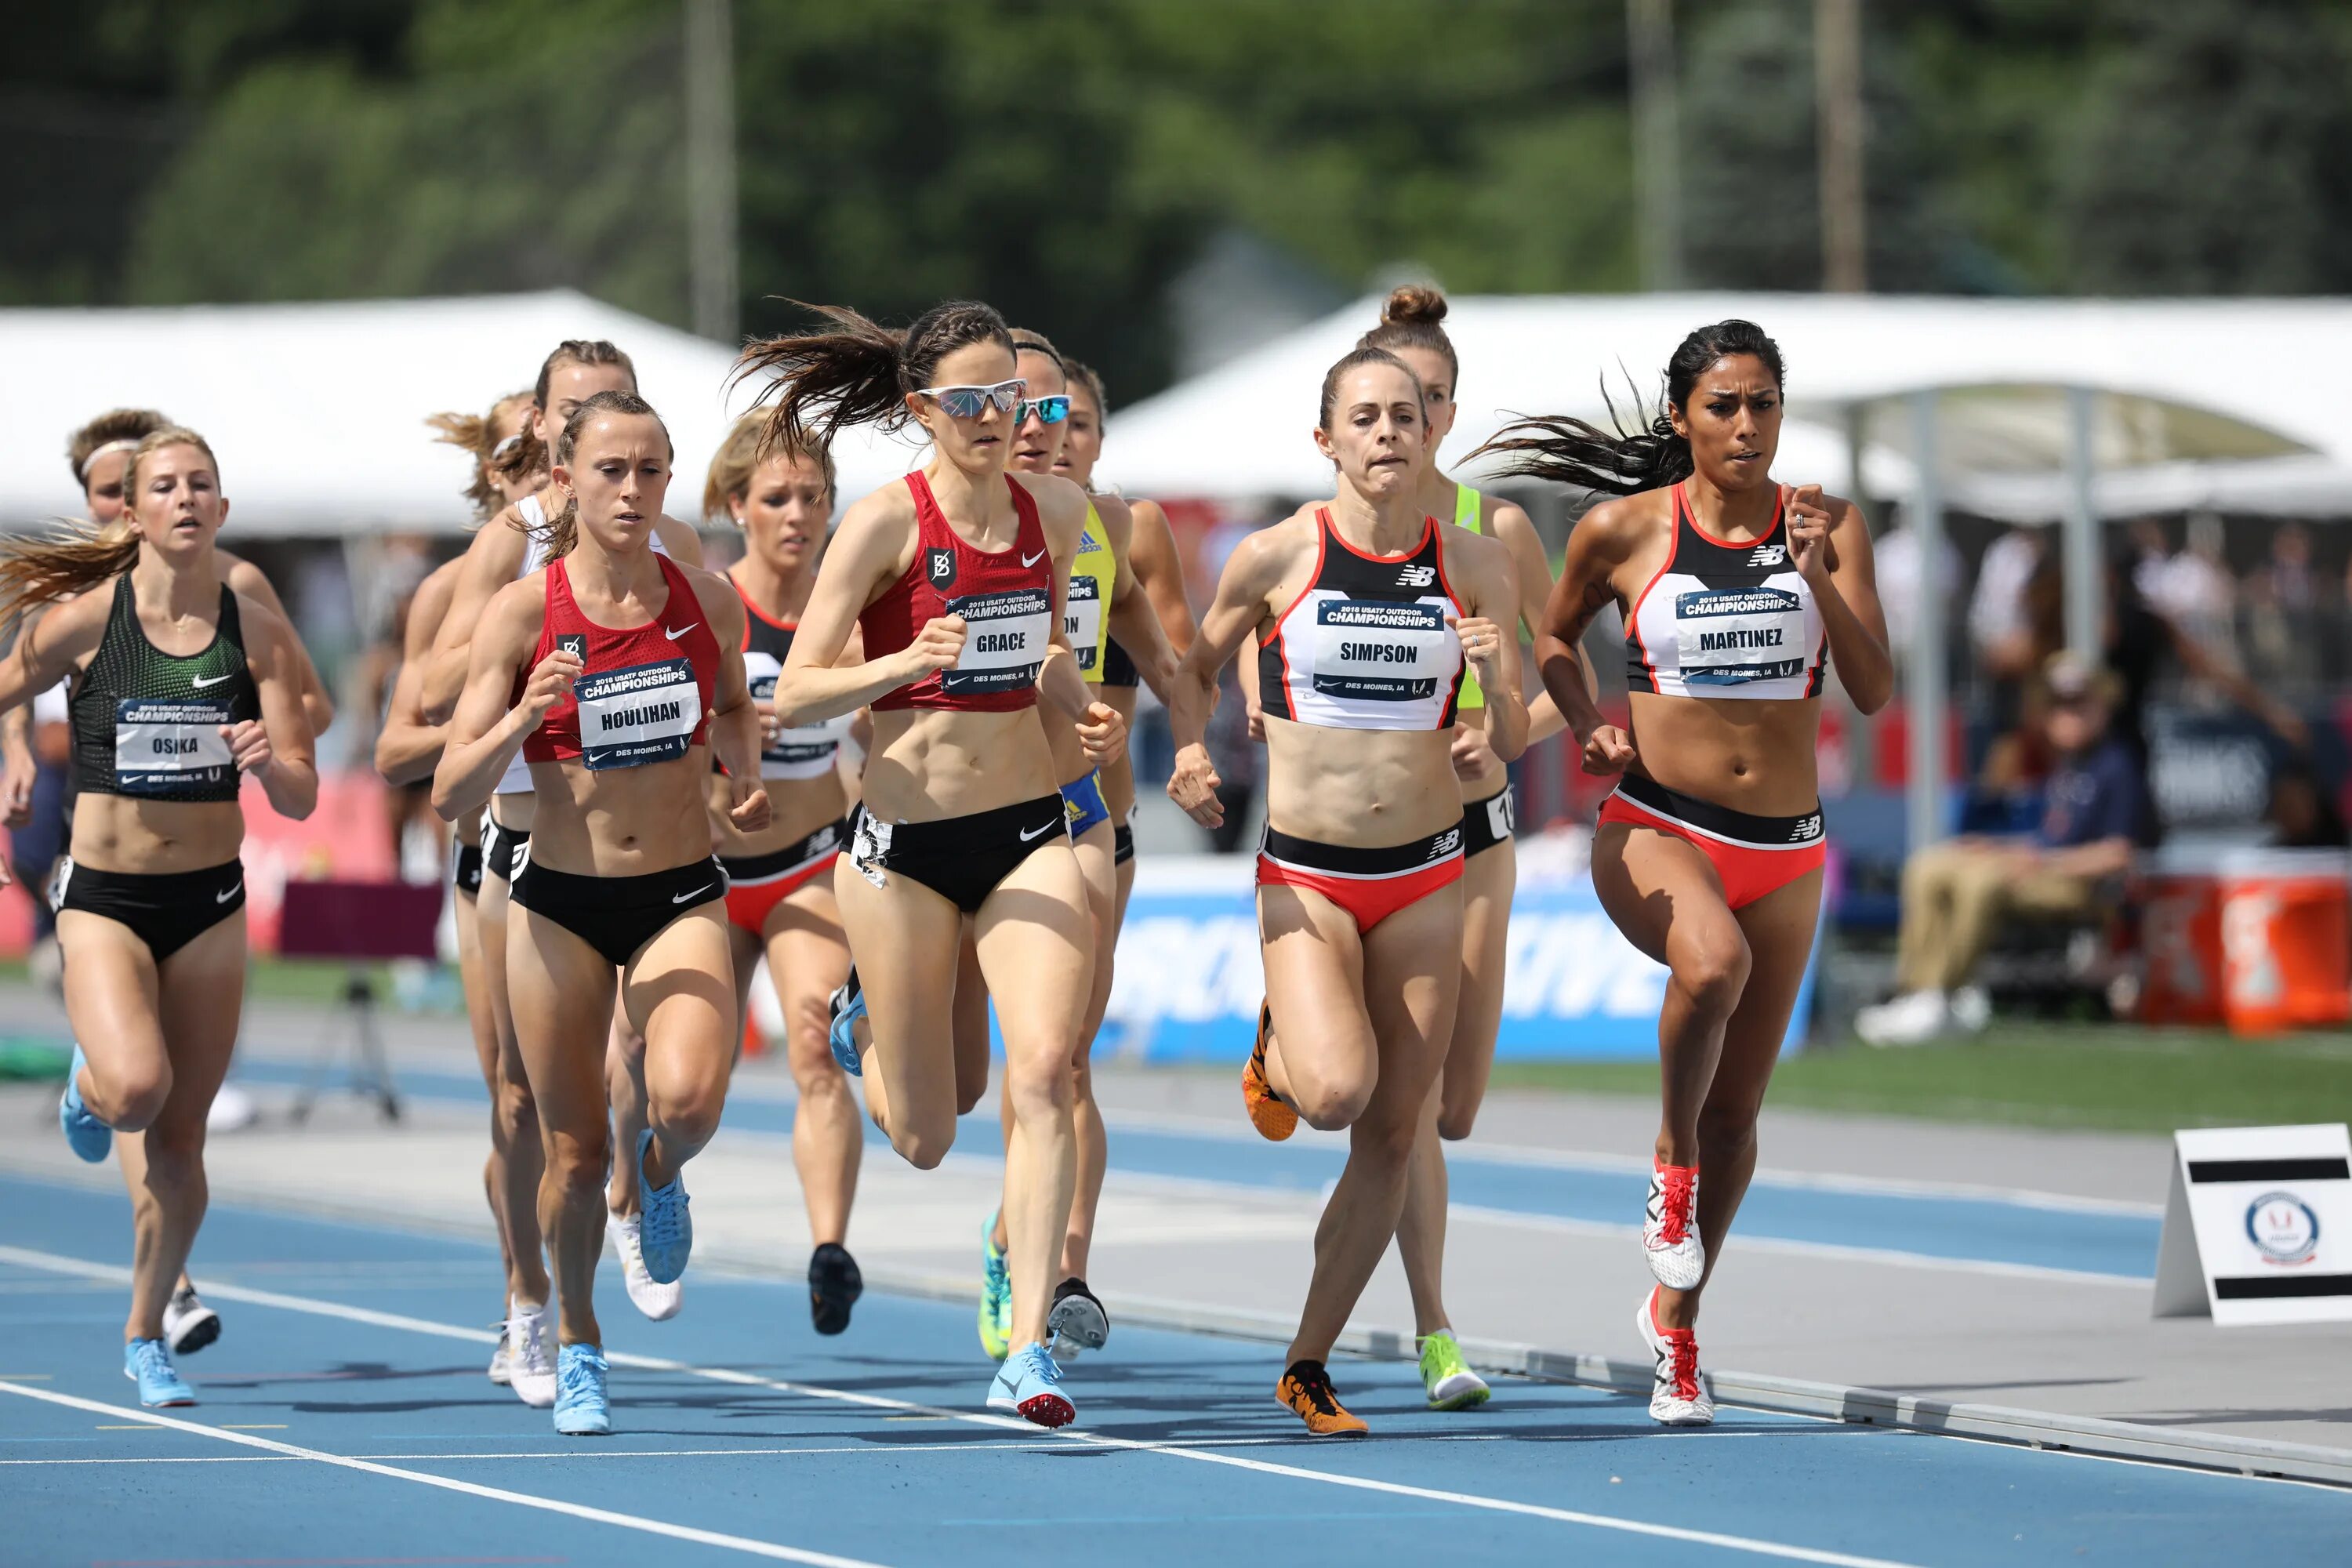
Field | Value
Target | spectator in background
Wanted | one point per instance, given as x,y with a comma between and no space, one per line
1997,618
1901,565
2285,621
2301,814
1957,894
2195,591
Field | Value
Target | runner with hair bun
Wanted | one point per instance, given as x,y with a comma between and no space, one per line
1737,593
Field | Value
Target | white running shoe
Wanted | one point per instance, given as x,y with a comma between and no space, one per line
530,1356
1670,1227
1971,1009
1677,1395
188,1324
499,1369
1911,1019
660,1302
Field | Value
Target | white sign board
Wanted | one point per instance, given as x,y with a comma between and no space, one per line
2259,1226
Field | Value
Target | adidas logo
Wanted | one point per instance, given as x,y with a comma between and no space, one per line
1769,555
1416,576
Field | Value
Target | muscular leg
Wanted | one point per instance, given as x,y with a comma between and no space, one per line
484,1024
807,957
514,1113
970,1026
904,937
679,995
624,1089
563,995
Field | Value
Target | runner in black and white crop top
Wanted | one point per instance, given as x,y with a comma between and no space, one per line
1366,645
1726,620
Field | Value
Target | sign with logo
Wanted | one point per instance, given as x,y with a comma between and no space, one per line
2258,1228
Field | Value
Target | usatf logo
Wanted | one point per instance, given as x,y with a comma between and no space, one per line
1769,555
1416,576
575,644
940,568
2283,1229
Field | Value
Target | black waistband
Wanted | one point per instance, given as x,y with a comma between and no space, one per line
1351,860
1722,822
163,887
747,869
538,887
1013,824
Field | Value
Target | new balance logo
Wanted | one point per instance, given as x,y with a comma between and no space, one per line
1807,830
1769,555
1445,843
1416,576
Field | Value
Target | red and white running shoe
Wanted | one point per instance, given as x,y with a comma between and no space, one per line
1677,1397
1670,1227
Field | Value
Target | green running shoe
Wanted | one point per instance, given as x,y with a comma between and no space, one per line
1452,1384
995,1295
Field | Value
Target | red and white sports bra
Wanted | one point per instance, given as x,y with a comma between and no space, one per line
645,694
1722,619
1366,646
1006,600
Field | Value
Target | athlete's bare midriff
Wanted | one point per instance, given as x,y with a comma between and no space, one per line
1755,756
930,763
1363,788
154,837
800,808
621,822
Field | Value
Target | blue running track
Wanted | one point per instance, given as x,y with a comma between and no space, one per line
345,1420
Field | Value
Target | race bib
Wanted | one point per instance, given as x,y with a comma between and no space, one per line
1729,636
1005,638
645,713
1377,650
168,746
802,752
1082,620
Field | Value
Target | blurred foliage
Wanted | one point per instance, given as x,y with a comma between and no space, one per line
1068,160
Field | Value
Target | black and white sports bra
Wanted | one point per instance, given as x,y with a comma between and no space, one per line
1366,645
1727,620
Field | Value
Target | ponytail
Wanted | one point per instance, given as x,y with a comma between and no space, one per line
857,371
473,433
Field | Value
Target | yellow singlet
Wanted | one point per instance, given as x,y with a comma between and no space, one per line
1094,573
1465,515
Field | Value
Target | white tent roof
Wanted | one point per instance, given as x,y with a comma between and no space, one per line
2192,383
318,411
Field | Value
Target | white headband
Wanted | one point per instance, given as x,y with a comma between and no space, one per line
125,445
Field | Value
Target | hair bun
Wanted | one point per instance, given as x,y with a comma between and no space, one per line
1413,304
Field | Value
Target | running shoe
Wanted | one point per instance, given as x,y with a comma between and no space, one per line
847,1004
665,1227
1306,1389
995,1295
1451,1383
499,1371
1077,1321
1031,1383
1272,1120
88,1136
1669,1228
1677,1397
835,1286
148,1363
660,1302
582,1410
188,1324
531,1355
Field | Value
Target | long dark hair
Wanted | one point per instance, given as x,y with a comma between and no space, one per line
1650,457
857,371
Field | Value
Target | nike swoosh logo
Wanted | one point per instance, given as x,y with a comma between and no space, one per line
1047,828
1033,560
681,631
688,897
224,897
202,681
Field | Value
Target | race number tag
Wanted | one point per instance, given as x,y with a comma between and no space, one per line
1005,638
1729,636
645,713
1374,650
168,746
804,752
1082,620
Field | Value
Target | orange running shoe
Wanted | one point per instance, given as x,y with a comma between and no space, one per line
1272,1120
1306,1389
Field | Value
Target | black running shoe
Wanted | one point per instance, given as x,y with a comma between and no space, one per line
1077,1321
835,1286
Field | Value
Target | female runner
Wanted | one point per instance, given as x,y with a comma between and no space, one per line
609,670
1366,614
780,899
1409,329
182,686
1737,592
954,577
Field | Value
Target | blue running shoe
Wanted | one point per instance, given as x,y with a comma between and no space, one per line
148,1363
665,1229
580,1408
848,1006
85,1134
1030,1384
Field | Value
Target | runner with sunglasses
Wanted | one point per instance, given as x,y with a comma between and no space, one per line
619,676
1368,613
954,576
1736,593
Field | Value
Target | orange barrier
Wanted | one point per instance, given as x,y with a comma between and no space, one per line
2258,939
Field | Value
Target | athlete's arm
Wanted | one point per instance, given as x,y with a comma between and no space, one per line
53,646
277,749
407,748
18,767
485,733
684,544
246,579
866,555
1490,602
1604,540
1832,545
1252,573
1133,619
734,717
1160,570
492,561
1062,513
1516,531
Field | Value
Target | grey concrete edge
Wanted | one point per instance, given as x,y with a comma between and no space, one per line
1751,1391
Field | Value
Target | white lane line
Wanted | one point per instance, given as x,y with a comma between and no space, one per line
496,1494
63,1265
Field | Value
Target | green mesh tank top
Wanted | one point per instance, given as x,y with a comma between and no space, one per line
148,723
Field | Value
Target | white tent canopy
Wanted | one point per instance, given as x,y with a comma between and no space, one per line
2200,400
318,411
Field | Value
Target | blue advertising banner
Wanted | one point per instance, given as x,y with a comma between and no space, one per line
1189,980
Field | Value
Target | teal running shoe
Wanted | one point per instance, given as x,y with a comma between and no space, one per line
847,1005
1031,1384
666,1229
88,1136
582,1410
995,1295
1447,1377
148,1363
